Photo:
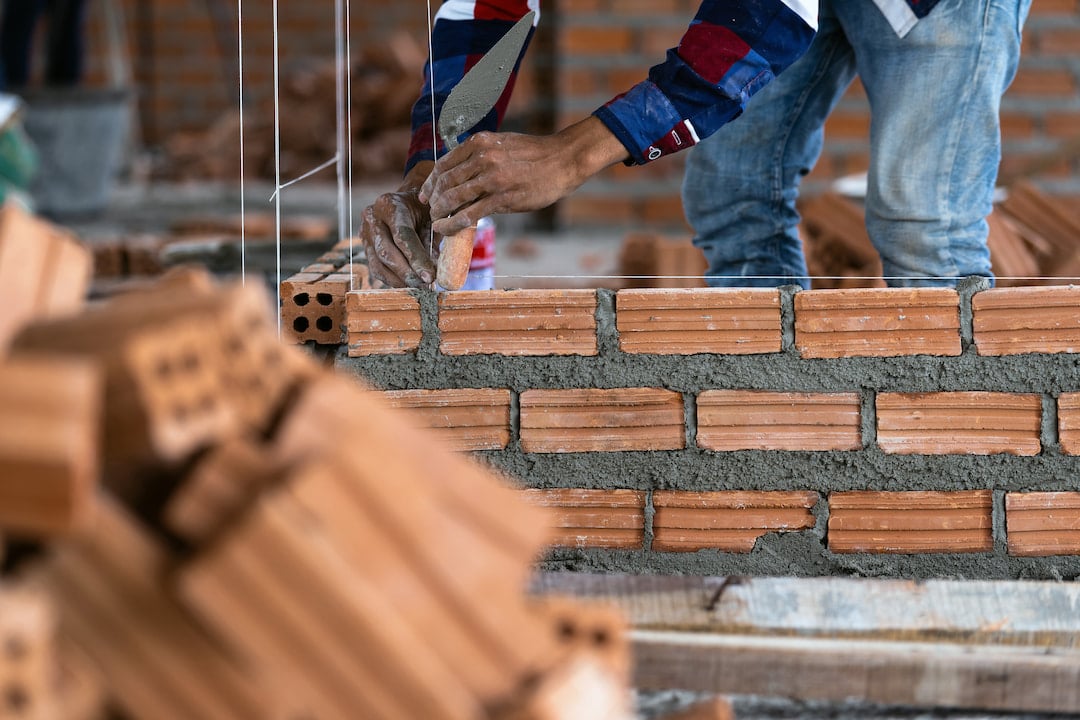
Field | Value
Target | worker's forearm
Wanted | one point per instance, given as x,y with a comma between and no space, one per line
589,147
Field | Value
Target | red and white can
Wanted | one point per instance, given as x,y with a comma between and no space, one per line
482,267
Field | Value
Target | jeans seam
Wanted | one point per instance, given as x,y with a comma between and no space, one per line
777,182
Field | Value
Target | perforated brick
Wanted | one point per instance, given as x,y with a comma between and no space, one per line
763,420
910,522
466,419
878,322
730,521
518,322
688,321
962,423
1040,524
313,302
593,518
592,420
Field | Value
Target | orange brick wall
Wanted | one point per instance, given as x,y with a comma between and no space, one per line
938,435
585,52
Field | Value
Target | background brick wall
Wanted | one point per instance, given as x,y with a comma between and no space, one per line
585,52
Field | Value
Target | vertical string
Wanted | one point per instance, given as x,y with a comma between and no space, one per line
240,73
348,111
434,132
277,160
339,52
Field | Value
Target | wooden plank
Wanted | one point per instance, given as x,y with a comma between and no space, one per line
929,674
1017,613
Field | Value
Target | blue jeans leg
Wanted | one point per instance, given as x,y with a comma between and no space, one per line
935,135
741,183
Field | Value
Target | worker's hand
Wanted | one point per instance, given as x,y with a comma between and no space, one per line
493,173
396,231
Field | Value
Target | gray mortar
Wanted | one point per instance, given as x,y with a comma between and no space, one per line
802,553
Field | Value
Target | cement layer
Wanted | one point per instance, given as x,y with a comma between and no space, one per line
801,553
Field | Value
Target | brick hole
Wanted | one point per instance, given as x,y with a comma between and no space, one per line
325,323
600,637
16,699
565,630
15,648
324,298
234,345
300,324
302,299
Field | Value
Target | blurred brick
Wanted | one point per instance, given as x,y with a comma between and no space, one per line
593,518
465,419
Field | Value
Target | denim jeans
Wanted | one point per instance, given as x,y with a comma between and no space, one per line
935,146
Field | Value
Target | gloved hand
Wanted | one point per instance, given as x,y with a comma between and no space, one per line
396,232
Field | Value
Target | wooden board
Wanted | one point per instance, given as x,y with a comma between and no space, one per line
995,645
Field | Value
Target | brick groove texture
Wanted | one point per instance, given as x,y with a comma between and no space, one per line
1013,321
685,453
910,522
590,420
593,518
1042,524
727,521
518,322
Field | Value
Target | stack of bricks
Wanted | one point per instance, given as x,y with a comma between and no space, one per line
912,431
284,554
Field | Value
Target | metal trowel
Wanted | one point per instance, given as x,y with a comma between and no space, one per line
468,103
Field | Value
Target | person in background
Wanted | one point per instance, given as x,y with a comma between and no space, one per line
934,71
934,86
64,51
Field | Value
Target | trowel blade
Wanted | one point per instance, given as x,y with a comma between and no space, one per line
476,93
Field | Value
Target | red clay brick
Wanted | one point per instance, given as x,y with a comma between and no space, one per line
1059,41
961,423
1012,321
878,322
313,303
684,321
587,40
50,423
593,518
763,420
1069,423
475,419
518,322
1040,524
910,522
1049,82
594,420
726,521
382,322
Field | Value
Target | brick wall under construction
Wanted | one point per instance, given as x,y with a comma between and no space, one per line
926,432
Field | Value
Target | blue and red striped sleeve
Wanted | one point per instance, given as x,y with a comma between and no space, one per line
732,49
463,31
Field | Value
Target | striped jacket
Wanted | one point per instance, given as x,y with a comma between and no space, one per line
731,50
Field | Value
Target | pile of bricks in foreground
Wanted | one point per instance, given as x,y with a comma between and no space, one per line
890,431
222,528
